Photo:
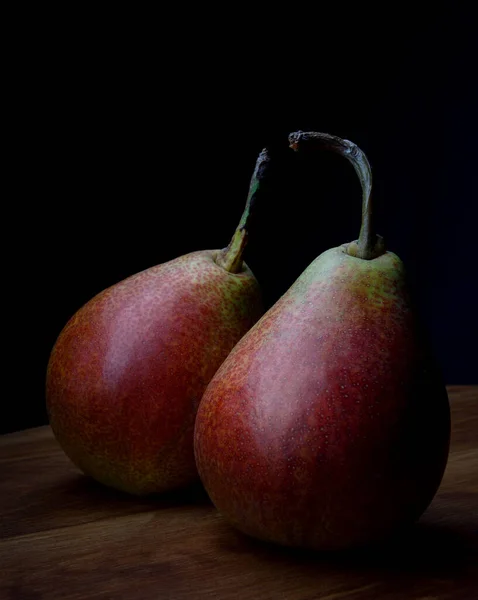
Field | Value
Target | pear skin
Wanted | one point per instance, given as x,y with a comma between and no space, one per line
127,372
327,426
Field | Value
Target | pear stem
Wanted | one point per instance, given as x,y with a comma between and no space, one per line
230,258
369,245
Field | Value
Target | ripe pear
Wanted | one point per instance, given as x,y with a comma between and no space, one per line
327,427
127,372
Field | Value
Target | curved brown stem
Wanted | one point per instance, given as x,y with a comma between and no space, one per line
369,245
230,258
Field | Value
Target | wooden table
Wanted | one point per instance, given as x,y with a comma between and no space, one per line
64,536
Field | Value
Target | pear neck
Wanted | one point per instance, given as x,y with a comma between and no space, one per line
369,245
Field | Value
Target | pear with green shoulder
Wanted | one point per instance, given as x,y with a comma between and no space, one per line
127,372
328,425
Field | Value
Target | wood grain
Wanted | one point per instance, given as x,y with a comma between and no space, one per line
64,536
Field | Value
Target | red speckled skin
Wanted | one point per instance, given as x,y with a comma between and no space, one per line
326,427
127,372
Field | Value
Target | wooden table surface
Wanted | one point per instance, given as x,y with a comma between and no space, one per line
64,536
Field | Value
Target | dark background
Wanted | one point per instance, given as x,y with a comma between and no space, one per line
135,139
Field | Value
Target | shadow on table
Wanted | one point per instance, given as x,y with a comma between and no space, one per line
98,495
430,549
80,499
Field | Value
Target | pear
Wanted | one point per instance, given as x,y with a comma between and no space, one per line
328,425
127,372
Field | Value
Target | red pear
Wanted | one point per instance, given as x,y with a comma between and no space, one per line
327,426
127,372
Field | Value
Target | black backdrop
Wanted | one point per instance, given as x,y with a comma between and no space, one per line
135,142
